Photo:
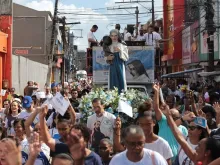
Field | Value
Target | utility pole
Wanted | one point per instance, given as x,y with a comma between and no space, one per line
136,12
52,44
210,27
65,47
153,16
138,1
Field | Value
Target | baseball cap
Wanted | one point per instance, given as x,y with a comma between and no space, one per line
55,84
27,102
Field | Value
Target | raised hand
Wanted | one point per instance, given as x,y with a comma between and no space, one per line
189,116
118,123
216,106
13,156
156,87
38,110
34,145
44,111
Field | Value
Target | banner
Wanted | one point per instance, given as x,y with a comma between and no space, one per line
195,42
139,67
186,47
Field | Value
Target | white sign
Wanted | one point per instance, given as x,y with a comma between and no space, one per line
125,108
40,95
3,92
59,103
47,102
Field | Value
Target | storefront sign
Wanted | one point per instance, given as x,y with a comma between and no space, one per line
21,52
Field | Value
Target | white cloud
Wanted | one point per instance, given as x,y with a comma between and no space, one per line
42,5
21,2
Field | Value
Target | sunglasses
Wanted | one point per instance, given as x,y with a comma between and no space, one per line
192,127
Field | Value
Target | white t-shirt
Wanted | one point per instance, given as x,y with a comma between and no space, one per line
140,38
147,159
54,133
24,115
49,96
10,131
42,158
161,146
90,35
101,127
183,156
152,41
127,35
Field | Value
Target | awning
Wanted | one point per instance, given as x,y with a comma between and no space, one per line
209,74
182,73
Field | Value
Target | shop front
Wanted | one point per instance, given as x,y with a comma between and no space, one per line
3,53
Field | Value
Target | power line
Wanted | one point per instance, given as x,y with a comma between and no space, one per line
98,14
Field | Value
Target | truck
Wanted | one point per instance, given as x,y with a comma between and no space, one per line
139,67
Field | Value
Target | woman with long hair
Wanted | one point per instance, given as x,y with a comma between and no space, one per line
13,114
207,149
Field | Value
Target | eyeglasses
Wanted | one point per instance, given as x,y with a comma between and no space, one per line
192,127
134,144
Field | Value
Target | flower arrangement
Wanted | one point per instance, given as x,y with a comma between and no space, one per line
111,99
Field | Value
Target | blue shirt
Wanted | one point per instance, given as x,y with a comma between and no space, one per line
166,133
93,159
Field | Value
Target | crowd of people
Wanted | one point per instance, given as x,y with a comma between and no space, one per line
182,130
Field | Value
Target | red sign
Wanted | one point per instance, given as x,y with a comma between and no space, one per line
21,52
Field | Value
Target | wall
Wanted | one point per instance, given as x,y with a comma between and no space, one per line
24,69
34,24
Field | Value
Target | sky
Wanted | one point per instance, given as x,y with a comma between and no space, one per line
90,12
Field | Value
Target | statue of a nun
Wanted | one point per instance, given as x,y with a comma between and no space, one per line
116,54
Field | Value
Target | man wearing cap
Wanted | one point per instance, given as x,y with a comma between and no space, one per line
54,88
28,105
